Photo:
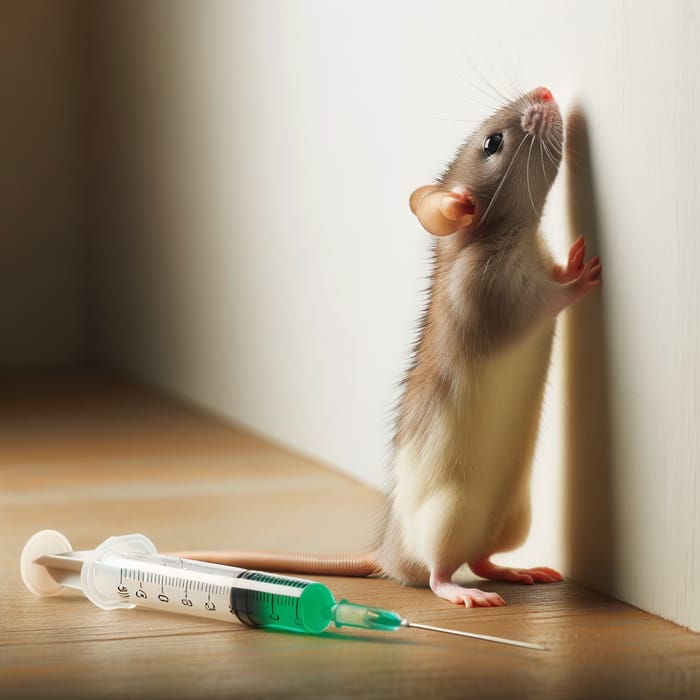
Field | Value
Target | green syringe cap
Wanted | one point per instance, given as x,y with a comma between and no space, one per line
346,614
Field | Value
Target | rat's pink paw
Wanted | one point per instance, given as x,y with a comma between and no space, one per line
574,265
591,276
577,278
469,597
539,574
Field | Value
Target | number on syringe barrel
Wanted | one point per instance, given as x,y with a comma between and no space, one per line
122,590
174,591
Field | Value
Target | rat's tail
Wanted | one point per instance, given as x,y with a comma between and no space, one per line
360,565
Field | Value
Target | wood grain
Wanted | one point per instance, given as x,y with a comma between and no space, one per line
93,456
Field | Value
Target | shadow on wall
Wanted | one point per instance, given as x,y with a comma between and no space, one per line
589,499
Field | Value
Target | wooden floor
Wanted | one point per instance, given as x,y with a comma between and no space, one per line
93,456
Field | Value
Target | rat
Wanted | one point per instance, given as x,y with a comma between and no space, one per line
468,418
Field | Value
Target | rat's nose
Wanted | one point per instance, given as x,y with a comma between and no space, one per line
541,114
545,94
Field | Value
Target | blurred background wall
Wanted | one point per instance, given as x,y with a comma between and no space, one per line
42,237
212,198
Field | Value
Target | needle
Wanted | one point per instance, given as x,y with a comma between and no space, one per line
472,635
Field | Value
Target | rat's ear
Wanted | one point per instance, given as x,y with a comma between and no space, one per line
440,211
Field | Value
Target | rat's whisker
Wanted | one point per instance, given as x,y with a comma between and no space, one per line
527,176
554,146
551,158
503,179
544,170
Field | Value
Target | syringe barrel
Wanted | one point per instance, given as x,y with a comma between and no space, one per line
127,571
309,608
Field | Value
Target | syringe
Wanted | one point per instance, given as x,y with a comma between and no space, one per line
127,571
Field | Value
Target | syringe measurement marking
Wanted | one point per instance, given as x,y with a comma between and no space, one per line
254,607
148,577
260,600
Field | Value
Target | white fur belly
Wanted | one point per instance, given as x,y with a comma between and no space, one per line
460,481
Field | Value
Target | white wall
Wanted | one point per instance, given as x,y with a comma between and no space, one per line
256,254
42,290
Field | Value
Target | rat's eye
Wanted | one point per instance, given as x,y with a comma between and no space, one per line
493,143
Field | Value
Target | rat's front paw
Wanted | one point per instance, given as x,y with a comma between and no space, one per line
574,265
579,276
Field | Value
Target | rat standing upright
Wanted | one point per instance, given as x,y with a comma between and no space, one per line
468,419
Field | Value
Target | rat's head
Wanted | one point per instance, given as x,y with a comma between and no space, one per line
509,163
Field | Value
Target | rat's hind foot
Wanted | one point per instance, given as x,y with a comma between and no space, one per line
443,587
540,574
